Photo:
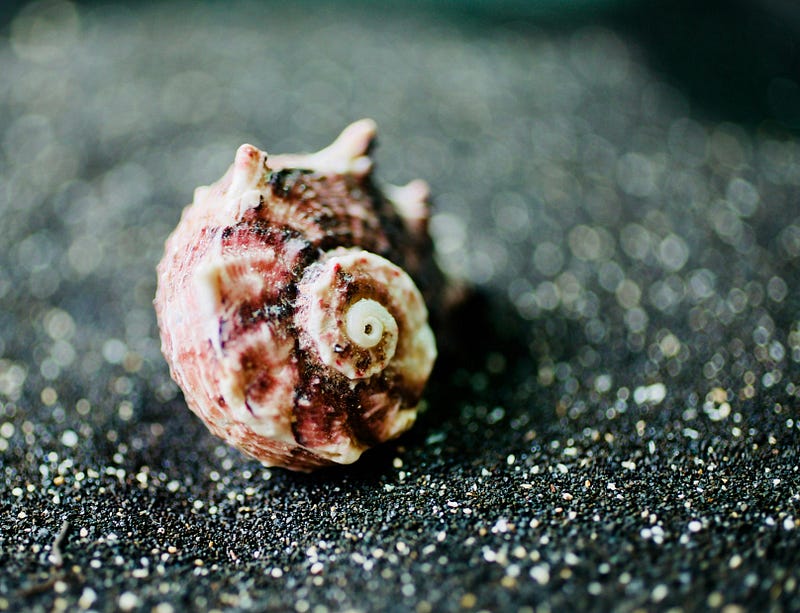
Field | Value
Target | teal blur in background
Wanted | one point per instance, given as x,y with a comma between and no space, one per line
737,60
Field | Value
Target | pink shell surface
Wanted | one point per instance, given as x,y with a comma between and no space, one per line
226,304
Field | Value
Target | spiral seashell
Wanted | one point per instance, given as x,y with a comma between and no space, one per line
288,308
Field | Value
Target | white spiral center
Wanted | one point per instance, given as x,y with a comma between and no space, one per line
366,321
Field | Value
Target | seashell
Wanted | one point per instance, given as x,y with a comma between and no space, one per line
288,307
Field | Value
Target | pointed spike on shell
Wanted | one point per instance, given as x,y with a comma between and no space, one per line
354,141
249,167
410,200
348,154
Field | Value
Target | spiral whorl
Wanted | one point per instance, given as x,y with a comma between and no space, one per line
367,321
357,312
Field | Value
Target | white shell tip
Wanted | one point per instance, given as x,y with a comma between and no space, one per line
366,321
248,167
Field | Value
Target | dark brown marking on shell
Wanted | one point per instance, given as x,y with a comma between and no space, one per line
260,382
362,361
324,202
303,457
276,302
282,181
328,405
368,425
321,406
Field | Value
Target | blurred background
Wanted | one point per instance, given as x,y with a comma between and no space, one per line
619,180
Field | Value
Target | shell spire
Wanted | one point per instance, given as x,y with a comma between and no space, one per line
289,306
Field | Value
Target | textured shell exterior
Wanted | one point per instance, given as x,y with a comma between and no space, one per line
288,308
